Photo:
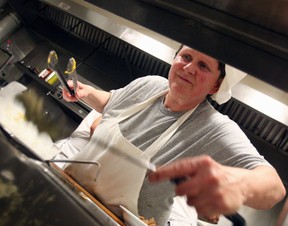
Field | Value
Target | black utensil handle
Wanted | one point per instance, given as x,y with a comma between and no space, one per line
236,219
63,81
178,180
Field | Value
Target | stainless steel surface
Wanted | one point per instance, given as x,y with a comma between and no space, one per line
224,33
140,37
263,102
40,195
2,3
120,28
255,93
271,16
22,43
7,25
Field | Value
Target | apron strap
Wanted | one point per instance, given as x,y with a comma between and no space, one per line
159,143
138,107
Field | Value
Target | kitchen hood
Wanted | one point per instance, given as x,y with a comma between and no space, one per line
249,35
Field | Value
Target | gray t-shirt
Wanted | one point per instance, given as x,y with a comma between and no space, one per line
206,131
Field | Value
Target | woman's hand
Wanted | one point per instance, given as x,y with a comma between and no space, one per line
95,98
208,186
216,189
82,92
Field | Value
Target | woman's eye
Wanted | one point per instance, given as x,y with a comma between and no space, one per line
187,57
204,66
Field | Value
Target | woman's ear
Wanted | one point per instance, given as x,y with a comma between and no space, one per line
216,86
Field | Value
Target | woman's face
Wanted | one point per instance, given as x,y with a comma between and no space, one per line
193,75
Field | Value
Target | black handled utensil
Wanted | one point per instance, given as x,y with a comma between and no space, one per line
52,61
71,70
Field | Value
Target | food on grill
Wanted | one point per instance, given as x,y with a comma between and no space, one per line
211,219
149,222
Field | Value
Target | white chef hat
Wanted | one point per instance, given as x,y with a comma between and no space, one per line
233,76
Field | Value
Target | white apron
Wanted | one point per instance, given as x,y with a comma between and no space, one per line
182,214
117,181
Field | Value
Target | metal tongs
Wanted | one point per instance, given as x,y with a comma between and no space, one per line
71,70
53,65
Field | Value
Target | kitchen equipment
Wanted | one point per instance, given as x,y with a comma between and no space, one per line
71,70
130,219
53,65
15,168
49,196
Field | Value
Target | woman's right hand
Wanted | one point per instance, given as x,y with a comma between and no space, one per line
81,92
95,98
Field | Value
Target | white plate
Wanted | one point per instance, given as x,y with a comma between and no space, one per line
130,219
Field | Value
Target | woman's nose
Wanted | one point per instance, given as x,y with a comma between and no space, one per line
191,68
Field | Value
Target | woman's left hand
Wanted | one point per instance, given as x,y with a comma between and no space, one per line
210,187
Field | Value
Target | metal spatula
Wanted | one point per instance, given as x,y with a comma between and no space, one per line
145,164
139,162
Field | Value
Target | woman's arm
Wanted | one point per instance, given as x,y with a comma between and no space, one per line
262,186
216,189
283,216
97,99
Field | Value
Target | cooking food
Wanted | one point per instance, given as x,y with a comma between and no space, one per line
14,120
149,222
212,219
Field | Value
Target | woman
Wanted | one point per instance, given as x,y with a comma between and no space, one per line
162,120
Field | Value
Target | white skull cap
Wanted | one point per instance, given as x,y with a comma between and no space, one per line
233,76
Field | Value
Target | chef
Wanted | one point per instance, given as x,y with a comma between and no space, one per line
160,120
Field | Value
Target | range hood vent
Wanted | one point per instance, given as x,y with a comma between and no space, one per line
249,35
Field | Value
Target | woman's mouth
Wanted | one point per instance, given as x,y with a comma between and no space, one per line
184,79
